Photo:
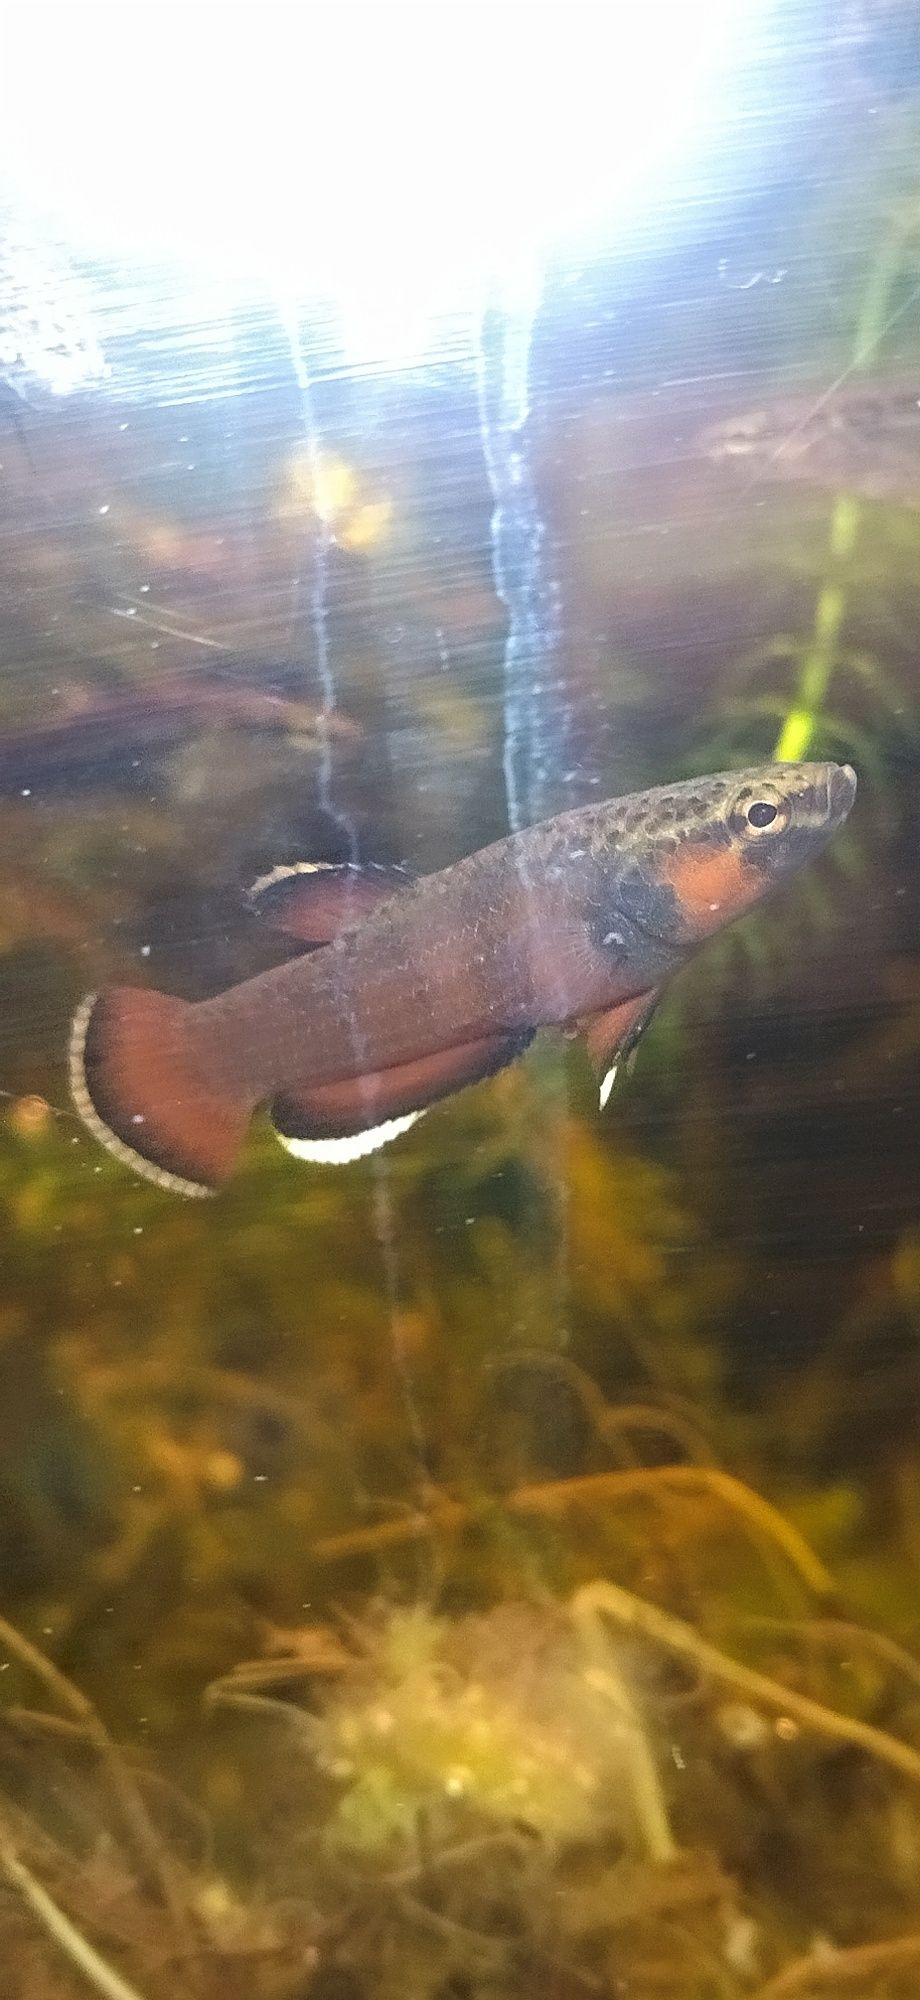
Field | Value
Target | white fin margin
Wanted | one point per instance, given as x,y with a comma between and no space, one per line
79,1091
287,870
340,1152
284,873
607,1086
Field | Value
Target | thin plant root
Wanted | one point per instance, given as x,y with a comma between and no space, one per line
62,1932
648,1804
451,1516
835,1969
511,1840
490,1954
447,1518
148,1847
842,1632
768,1524
222,1694
656,1420
635,1614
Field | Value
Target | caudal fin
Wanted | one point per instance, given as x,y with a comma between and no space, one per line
138,1084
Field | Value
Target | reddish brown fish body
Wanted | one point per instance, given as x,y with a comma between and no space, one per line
480,949
571,921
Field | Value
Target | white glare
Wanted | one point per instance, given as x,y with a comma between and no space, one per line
389,157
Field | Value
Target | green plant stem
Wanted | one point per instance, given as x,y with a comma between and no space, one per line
799,726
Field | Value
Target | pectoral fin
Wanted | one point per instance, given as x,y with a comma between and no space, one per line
611,1038
337,1122
316,900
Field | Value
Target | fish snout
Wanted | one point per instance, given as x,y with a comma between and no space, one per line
841,791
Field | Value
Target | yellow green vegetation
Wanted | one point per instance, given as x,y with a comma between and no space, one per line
438,1666
582,1787
499,1719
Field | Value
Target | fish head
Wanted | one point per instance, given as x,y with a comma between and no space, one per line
773,440
737,437
697,855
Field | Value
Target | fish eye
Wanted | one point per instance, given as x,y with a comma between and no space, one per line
759,812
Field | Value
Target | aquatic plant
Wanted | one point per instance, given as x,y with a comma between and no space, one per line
820,658
499,1721
407,1789
431,1729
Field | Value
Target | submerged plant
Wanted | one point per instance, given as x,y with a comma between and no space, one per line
805,719
504,1720
557,1791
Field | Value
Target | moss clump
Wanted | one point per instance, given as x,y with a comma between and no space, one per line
500,1720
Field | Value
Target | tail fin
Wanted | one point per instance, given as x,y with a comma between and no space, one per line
137,1082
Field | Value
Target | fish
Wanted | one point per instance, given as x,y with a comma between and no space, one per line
115,735
861,438
409,989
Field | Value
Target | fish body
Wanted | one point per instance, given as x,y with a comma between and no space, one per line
406,991
126,730
862,438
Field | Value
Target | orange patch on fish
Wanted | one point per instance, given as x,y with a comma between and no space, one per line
708,880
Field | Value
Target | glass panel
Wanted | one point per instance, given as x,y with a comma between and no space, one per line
486,1564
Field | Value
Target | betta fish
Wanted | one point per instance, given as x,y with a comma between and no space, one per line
407,990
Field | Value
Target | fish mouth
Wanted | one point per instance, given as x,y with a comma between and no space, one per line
841,791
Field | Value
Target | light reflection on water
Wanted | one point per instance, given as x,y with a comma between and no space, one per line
497,1559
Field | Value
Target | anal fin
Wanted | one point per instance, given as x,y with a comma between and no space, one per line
611,1038
349,1146
337,1122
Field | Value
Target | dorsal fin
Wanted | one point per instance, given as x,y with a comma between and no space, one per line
316,900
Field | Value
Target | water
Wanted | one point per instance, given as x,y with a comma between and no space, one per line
489,1568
